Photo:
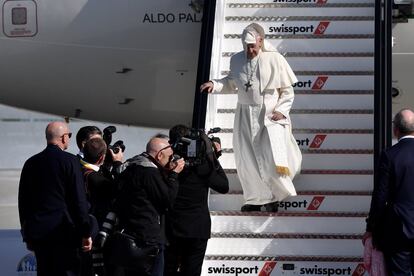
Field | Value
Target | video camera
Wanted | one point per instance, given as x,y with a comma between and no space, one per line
192,145
107,137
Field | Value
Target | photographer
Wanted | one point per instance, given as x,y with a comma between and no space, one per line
189,223
149,187
101,192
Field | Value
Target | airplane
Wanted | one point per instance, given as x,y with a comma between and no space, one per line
128,62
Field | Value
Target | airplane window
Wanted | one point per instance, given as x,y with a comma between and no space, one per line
19,16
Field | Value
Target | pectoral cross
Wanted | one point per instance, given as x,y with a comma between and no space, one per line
248,85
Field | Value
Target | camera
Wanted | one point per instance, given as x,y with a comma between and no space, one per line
99,243
107,136
106,229
192,144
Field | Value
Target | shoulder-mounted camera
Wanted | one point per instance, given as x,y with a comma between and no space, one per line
192,144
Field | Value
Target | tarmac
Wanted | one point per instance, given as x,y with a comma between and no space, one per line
9,185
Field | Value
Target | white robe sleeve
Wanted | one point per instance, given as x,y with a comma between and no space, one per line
226,84
286,75
286,97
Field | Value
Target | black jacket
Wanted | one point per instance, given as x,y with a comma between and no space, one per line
392,207
147,193
101,192
190,216
52,198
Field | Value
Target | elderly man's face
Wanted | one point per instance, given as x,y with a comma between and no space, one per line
252,49
164,155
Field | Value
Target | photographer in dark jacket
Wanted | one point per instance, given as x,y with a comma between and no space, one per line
149,187
189,223
101,192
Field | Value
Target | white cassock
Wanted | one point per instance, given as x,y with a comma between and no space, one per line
266,153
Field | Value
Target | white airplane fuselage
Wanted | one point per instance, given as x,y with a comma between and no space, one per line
402,65
124,61
131,62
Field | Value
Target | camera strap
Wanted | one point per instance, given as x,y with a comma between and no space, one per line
152,159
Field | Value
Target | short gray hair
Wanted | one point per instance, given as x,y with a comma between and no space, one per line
156,143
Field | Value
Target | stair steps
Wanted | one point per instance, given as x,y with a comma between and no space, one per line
287,222
351,202
330,46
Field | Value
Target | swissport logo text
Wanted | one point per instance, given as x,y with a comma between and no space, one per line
316,142
243,270
318,84
312,29
305,204
330,271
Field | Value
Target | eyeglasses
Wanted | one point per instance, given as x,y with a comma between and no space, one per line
69,134
164,148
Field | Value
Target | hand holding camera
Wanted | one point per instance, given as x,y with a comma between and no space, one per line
116,150
177,165
116,156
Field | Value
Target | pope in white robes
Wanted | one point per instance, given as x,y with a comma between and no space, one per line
266,153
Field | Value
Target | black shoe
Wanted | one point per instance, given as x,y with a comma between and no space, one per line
250,208
272,207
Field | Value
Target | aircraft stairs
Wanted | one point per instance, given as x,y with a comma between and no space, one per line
319,231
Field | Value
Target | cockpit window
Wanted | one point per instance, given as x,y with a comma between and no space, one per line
19,16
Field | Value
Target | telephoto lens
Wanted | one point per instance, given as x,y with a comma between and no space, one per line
106,230
100,239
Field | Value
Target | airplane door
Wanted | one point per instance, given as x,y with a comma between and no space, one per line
19,18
